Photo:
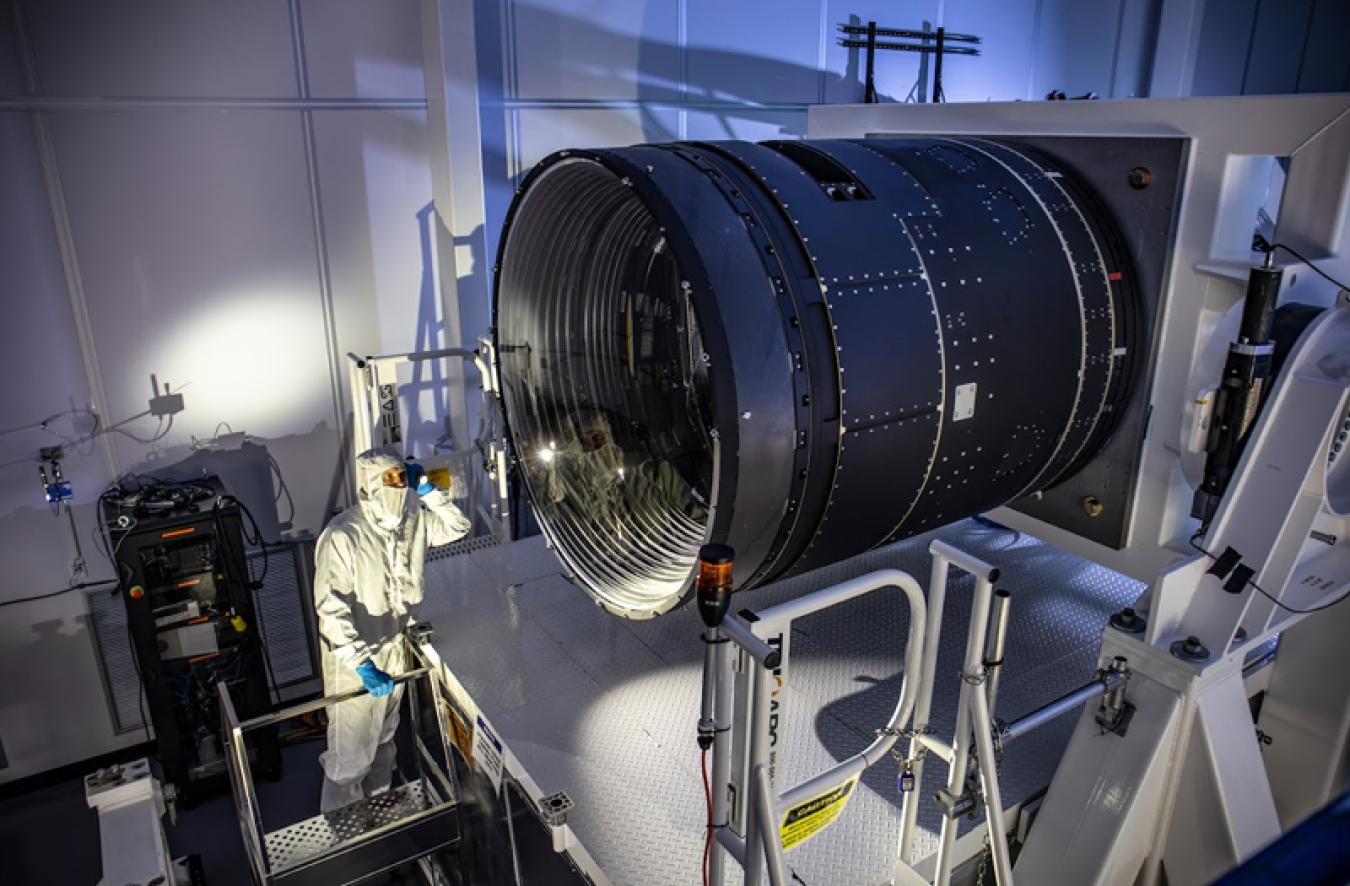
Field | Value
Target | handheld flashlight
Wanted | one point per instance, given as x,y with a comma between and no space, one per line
714,583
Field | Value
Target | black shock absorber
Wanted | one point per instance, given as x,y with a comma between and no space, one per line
1238,399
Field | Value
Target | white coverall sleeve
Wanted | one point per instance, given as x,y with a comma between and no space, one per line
334,594
445,523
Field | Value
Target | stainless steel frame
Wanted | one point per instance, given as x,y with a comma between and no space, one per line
379,423
759,636
408,822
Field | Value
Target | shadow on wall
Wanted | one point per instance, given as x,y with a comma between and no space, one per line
38,726
598,61
606,64
425,408
429,377
653,75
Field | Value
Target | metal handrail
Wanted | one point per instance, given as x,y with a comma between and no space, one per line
763,847
246,801
438,789
325,702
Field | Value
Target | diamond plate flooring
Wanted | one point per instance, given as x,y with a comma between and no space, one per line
606,709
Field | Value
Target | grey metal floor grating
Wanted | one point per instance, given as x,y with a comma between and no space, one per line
306,839
606,709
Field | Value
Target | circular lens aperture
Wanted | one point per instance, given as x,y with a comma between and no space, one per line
606,387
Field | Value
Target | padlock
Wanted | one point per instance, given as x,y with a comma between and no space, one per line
906,782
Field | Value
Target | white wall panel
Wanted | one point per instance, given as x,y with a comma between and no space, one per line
896,73
47,642
747,125
196,245
1276,55
755,50
1222,59
60,714
1076,47
1135,50
163,48
594,49
1326,61
39,355
1001,71
376,180
40,361
363,48
11,65
541,132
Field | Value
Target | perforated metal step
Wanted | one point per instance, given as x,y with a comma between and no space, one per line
407,822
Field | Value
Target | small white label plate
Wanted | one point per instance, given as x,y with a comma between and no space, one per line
965,402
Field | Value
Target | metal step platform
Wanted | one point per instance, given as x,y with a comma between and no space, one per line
410,821
606,709
370,836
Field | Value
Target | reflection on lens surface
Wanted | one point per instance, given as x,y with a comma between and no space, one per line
606,389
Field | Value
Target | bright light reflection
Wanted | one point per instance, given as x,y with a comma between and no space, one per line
255,360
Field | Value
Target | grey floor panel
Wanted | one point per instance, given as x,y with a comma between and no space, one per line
596,640
503,657
606,709
517,563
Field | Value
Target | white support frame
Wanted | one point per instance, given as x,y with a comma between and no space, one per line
972,710
1189,788
376,419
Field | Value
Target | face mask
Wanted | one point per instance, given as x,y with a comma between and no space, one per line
388,505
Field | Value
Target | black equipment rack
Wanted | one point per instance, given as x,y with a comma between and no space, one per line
184,578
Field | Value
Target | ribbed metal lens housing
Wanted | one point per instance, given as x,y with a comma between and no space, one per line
602,363
800,349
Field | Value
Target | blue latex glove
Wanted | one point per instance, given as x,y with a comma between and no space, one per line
375,680
417,479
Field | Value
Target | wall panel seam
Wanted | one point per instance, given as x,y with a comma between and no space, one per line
320,246
1035,42
65,238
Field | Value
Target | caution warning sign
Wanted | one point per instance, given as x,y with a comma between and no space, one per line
805,820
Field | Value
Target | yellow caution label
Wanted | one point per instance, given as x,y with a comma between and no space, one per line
805,820
460,732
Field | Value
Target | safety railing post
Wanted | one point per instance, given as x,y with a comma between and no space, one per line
972,674
923,705
989,787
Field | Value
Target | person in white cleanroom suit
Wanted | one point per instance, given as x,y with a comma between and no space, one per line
367,589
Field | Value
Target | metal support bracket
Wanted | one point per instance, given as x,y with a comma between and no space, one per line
420,633
1117,724
554,808
967,804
